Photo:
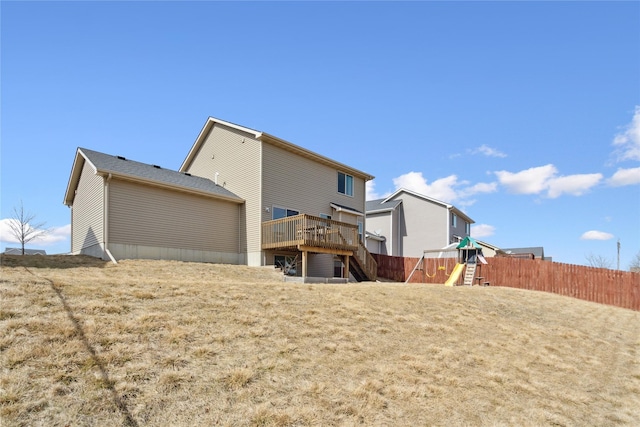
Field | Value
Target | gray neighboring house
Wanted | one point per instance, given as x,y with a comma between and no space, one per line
535,252
241,196
18,251
406,223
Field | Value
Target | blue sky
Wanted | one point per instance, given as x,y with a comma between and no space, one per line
526,115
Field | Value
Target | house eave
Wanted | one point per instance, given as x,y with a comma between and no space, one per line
279,142
270,139
211,121
74,177
140,180
461,214
340,208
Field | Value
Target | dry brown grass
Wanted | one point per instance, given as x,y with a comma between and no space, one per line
84,342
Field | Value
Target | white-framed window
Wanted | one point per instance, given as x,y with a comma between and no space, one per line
467,228
345,184
360,230
325,216
454,220
279,212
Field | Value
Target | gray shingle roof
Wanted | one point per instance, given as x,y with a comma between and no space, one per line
537,251
378,205
117,165
18,251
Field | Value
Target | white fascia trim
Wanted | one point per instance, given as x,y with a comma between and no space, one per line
347,210
375,237
422,196
74,177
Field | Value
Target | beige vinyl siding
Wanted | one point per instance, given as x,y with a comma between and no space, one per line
296,182
87,211
235,156
293,181
156,217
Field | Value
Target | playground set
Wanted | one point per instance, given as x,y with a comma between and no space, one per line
465,256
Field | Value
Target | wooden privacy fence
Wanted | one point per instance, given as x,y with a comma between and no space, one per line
601,285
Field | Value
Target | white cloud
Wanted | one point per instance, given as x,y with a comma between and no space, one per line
575,185
371,190
441,189
482,230
596,235
544,179
627,142
54,235
529,181
448,189
481,187
625,177
488,151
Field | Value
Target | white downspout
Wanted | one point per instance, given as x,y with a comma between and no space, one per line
105,227
391,240
448,240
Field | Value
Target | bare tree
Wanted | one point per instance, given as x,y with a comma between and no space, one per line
23,228
599,261
635,262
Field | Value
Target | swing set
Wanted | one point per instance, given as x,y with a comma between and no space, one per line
465,255
434,261
439,264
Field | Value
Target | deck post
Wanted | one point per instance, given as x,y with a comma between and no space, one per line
304,263
345,273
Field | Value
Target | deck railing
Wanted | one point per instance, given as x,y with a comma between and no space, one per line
309,230
367,262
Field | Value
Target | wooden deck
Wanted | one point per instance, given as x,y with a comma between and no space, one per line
308,233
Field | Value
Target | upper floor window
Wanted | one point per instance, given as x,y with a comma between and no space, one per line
467,228
454,220
345,184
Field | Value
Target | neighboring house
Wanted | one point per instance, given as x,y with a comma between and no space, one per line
411,222
241,196
489,250
533,252
18,251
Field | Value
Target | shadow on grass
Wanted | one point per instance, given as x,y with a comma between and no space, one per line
51,261
117,400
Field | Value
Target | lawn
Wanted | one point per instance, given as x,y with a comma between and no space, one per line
155,343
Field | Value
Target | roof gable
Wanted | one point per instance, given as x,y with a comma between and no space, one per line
117,166
270,139
400,191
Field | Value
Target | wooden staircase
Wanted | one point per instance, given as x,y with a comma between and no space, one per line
470,274
363,266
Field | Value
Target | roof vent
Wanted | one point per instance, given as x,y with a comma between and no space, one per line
156,166
121,158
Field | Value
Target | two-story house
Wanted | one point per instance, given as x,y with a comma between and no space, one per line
406,223
241,196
